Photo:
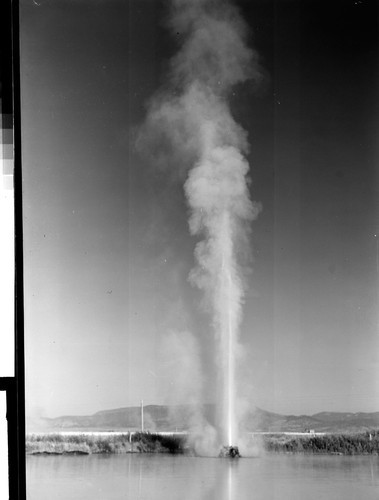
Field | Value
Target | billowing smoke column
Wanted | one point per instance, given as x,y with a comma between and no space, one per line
194,116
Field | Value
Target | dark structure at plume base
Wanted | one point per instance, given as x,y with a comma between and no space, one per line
229,452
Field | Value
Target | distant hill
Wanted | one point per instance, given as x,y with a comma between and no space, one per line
184,417
338,422
156,418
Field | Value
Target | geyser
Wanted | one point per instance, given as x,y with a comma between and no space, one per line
194,118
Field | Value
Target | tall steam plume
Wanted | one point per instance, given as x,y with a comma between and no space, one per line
193,116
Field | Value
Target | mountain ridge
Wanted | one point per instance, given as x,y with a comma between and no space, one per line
186,417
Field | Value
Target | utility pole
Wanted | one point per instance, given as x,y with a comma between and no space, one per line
142,429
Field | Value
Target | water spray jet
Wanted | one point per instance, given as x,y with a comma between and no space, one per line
195,118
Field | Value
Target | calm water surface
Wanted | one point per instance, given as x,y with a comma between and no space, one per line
163,477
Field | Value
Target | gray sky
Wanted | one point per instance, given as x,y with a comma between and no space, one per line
107,245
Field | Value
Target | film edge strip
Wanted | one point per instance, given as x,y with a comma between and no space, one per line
12,363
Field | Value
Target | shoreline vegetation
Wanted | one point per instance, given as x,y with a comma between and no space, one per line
86,443
366,443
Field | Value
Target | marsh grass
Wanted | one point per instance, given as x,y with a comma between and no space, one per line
366,443
109,443
153,443
144,442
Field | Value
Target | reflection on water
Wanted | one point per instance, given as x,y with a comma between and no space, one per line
230,484
162,477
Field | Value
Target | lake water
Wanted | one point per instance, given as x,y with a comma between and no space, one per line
166,477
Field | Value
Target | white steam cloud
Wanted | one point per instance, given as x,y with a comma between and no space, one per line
191,120
183,386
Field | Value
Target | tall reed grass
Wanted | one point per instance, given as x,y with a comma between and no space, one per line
142,442
366,443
